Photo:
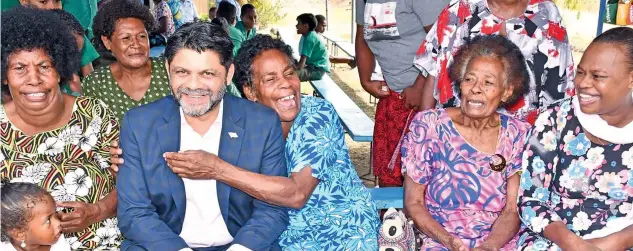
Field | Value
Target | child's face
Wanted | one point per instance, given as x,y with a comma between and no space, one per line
302,28
249,19
43,4
44,228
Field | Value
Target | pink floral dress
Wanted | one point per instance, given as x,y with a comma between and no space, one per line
463,194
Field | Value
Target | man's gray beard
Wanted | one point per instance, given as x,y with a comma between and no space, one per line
199,110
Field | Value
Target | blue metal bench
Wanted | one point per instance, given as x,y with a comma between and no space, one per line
356,122
358,125
387,197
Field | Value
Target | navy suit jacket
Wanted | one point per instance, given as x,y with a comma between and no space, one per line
151,207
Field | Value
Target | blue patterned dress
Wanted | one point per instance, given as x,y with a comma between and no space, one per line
340,214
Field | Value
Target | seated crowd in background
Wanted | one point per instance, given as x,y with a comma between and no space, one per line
272,171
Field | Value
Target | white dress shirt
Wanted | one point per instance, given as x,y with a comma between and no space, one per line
188,11
203,225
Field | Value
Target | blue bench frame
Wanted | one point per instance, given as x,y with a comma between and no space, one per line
353,119
387,197
357,124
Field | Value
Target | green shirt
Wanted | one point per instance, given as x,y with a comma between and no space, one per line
102,85
313,48
88,53
84,11
8,4
237,38
247,35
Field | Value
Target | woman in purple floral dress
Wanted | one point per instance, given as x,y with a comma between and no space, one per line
461,163
577,185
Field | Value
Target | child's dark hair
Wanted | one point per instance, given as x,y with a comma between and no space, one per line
17,201
309,19
70,21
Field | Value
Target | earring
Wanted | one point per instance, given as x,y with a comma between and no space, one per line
23,245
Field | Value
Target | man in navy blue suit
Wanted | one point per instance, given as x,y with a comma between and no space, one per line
171,208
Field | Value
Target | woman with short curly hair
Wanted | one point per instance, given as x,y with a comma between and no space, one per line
330,207
52,139
461,163
123,28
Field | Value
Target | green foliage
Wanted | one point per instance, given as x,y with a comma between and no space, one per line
204,17
268,13
579,5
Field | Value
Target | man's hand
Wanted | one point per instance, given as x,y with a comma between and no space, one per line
82,216
115,156
194,164
378,89
412,96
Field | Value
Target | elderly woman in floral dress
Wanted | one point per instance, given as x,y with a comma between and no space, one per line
461,163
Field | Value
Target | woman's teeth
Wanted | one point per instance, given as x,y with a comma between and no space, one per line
587,98
287,98
475,103
36,94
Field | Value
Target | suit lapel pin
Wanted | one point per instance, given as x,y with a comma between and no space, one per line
232,135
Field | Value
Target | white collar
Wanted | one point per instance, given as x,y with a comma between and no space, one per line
595,125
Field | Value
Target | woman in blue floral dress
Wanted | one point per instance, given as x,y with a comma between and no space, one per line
330,207
576,190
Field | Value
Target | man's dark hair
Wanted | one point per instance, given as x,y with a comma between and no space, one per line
111,12
18,201
514,65
25,29
201,36
250,50
228,11
246,8
622,36
213,8
307,18
70,21
320,18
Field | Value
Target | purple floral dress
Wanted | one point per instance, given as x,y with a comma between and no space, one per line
463,194
568,178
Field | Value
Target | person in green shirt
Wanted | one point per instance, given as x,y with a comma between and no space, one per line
247,24
88,52
84,11
229,12
314,58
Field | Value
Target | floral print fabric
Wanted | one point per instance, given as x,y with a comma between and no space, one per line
463,193
567,178
538,33
70,162
340,214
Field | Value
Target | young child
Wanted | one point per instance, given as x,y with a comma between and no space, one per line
314,59
248,22
320,29
29,220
